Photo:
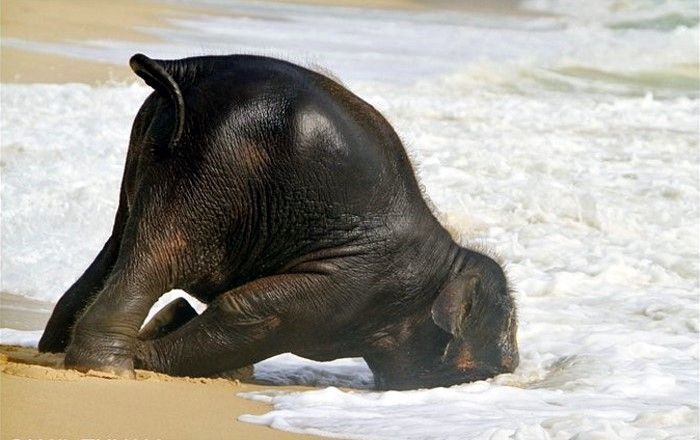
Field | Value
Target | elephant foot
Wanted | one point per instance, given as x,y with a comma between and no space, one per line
106,356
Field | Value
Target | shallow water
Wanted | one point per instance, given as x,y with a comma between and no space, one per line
566,142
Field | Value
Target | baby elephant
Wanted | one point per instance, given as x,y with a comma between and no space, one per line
289,206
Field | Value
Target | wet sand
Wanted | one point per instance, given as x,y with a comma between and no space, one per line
40,399
82,20
79,20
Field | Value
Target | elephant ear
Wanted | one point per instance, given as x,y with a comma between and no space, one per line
478,310
157,74
453,304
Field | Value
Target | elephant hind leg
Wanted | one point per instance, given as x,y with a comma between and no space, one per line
56,336
168,319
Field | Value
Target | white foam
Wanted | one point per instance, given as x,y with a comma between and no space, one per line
591,199
22,338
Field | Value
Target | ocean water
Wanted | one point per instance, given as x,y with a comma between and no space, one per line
562,139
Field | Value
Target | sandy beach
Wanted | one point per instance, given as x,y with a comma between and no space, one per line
65,21
39,399
62,21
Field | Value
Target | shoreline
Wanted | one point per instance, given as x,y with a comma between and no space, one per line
67,22
40,399
64,21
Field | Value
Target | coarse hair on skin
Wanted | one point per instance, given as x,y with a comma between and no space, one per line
461,237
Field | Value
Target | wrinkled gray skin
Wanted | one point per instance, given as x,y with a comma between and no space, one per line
289,206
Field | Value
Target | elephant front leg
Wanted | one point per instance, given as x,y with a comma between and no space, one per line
248,324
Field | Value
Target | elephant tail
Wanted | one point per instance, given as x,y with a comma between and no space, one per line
163,76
